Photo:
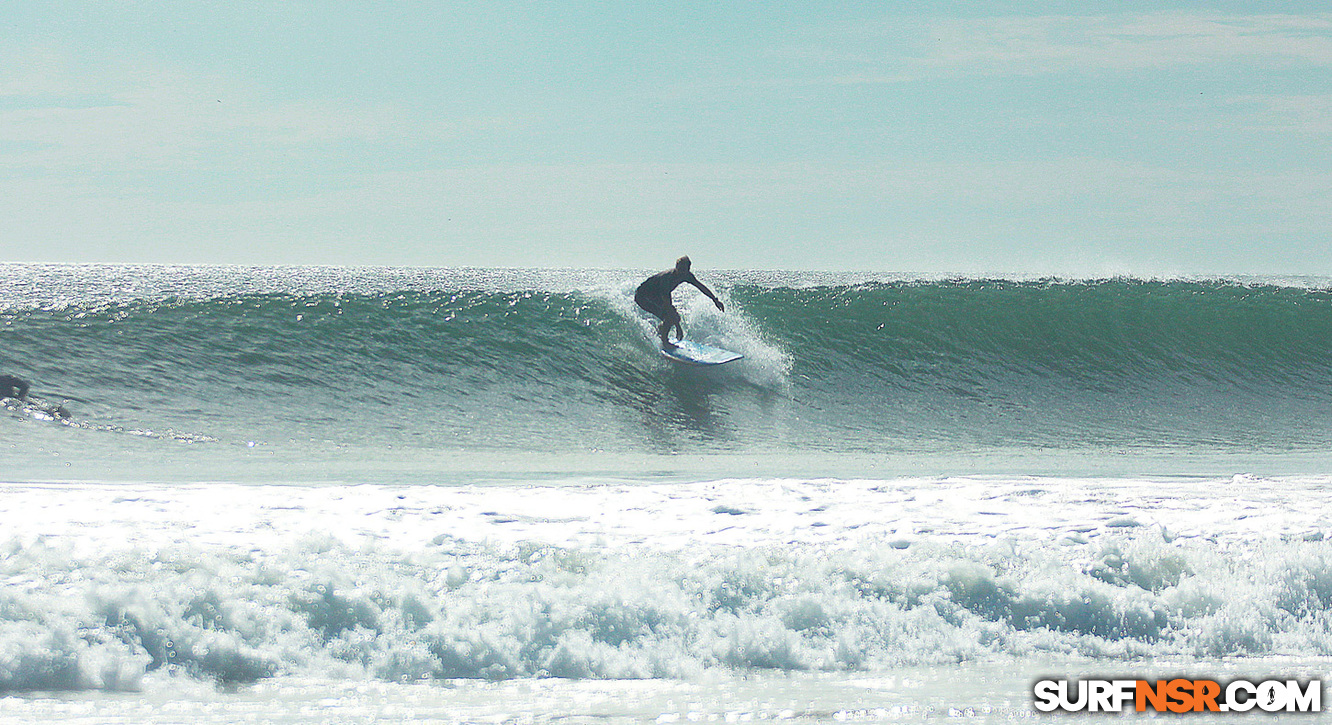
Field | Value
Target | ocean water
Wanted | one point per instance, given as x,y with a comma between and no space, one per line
431,495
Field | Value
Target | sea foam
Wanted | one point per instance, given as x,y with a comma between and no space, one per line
405,584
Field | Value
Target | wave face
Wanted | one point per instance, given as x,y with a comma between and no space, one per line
442,360
1115,362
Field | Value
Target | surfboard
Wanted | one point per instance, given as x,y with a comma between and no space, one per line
689,352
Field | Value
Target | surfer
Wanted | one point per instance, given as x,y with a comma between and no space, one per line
654,295
17,388
12,387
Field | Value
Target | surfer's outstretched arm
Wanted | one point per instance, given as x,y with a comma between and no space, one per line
704,289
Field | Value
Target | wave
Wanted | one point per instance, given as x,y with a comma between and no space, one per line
878,366
459,609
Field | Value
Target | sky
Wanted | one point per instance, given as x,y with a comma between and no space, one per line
1074,138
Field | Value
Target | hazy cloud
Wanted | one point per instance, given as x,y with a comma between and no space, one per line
56,112
1050,44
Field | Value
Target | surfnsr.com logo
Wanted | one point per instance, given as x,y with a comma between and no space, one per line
1178,695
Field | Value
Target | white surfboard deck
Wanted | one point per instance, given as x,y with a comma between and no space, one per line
689,352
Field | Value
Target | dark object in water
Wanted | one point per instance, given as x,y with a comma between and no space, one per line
12,387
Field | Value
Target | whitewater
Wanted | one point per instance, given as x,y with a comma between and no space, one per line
433,495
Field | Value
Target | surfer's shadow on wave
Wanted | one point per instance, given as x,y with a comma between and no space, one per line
669,405
695,407
677,406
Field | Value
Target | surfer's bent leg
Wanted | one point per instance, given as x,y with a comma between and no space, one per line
670,318
663,310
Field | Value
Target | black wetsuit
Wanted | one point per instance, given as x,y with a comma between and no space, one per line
654,295
12,387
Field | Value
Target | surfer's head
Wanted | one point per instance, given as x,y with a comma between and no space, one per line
682,264
12,387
